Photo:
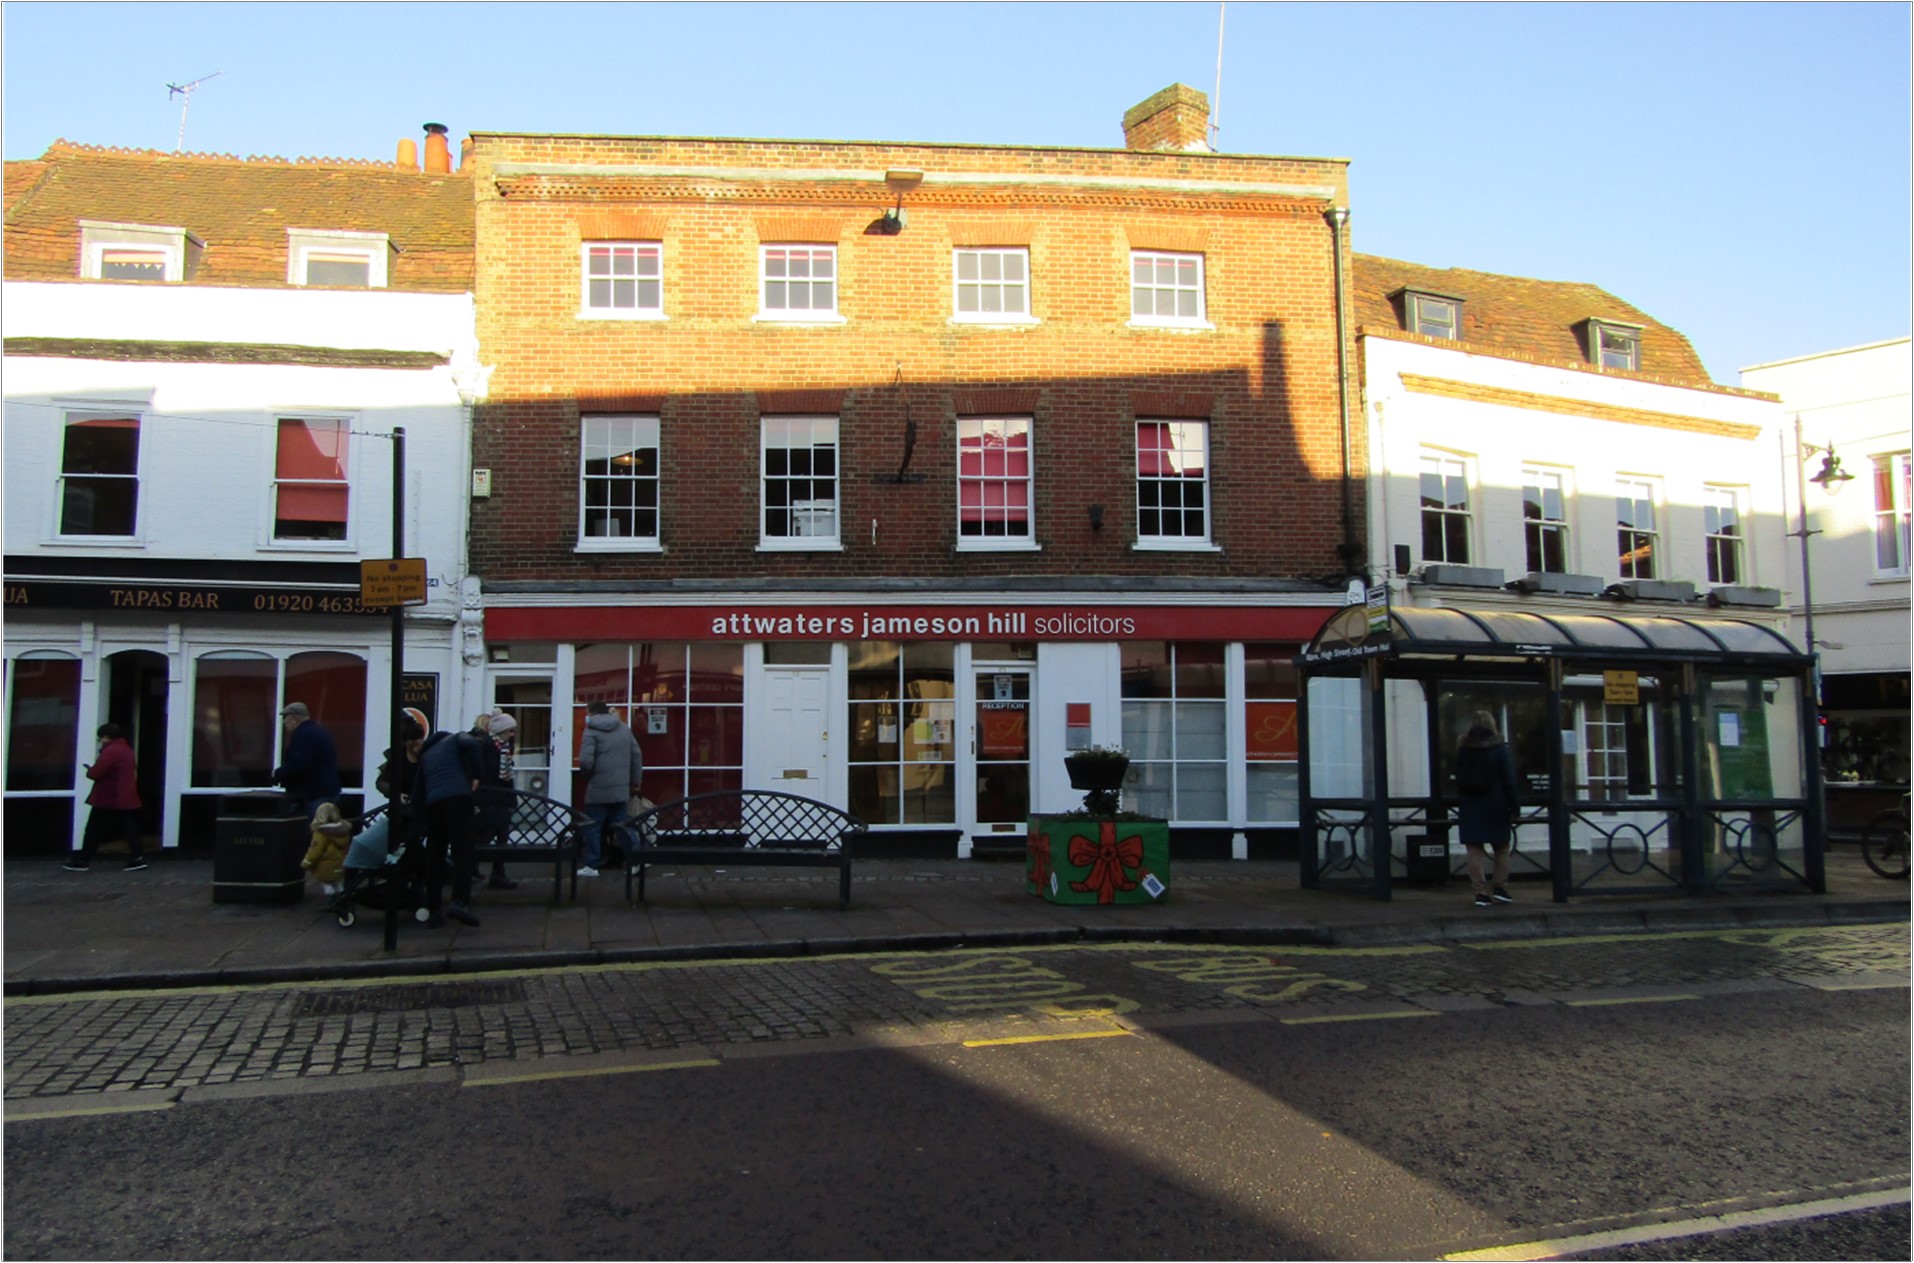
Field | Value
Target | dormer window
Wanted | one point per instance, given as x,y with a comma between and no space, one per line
1431,315
1613,345
136,252
336,257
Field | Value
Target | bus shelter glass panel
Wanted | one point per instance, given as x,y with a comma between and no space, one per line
1755,826
1621,761
1520,711
1340,776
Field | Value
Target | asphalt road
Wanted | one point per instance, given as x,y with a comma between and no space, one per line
1127,1102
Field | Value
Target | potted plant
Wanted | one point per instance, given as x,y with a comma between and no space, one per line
1099,771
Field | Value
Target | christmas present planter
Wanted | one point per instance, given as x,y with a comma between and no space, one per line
1098,859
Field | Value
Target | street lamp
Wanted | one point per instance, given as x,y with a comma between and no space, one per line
1830,478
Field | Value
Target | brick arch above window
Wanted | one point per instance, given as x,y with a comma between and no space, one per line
621,225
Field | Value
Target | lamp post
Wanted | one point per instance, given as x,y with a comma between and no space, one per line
1829,478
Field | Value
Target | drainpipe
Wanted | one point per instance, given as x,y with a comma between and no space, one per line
1351,551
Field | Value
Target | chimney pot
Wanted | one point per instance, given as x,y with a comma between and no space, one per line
408,154
1177,118
438,153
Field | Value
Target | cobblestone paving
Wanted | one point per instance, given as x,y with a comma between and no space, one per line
67,1045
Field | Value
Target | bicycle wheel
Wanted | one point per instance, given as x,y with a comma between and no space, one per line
1884,845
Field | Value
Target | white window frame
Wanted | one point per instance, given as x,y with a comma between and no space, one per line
641,426
1734,540
1176,718
1639,488
1891,522
810,512
799,315
655,250
1540,477
303,243
68,418
1180,428
177,248
273,483
1445,465
1154,257
981,256
1027,539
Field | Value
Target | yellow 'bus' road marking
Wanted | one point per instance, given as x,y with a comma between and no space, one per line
1039,1039
1358,1017
491,1080
1629,999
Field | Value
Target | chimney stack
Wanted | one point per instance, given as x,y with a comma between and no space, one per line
438,151
465,153
1177,118
408,154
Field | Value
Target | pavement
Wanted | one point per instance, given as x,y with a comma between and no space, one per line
108,930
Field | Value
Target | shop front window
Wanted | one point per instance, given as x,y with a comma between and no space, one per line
1269,727
1174,730
43,724
333,687
235,715
684,703
903,725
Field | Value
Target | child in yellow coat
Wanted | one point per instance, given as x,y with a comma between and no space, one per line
326,857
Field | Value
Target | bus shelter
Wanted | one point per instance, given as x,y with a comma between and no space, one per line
1656,752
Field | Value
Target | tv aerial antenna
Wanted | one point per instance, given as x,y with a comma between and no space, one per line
1216,99
185,92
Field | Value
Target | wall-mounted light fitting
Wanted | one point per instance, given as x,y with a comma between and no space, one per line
899,182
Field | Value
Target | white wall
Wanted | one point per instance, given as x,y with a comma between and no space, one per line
1858,401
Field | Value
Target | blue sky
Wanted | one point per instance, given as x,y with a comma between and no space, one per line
1740,171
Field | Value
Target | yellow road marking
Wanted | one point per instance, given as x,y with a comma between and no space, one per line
1039,1039
80,1110
1629,999
1358,1017
1686,1227
492,1080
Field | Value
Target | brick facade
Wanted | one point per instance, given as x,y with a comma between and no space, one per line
1264,374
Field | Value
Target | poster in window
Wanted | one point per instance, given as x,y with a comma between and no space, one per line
1270,729
1003,730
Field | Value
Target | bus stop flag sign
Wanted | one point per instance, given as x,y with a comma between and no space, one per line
393,581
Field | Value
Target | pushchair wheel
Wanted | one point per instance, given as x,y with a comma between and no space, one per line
421,915
348,917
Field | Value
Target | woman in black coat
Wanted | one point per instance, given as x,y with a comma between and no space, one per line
1485,775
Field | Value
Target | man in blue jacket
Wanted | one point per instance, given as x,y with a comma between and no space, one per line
449,772
311,770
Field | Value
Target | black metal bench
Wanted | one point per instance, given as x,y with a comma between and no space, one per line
737,827
515,825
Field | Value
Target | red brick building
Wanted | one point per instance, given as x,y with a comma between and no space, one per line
883,472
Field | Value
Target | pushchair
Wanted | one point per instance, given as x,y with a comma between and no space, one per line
383,864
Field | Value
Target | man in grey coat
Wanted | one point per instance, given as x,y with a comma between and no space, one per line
609,756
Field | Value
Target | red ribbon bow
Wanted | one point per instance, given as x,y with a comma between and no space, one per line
1108,860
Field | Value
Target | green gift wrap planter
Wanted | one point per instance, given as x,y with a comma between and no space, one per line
1098,859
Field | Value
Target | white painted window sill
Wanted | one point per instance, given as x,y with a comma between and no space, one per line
622,544
594,313
797,318
1186,326
1175,546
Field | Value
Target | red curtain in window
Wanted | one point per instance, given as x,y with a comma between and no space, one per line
993,476
1154,445
311,451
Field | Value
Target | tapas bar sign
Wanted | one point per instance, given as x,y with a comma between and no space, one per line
166,598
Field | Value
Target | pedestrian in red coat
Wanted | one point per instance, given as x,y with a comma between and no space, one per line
115,802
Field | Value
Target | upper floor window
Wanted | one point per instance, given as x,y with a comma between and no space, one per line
1172,482
993,479
1545,520
623,278
1433,315
1166,289
1445,508
1637,535
1722,530
1614,345
992,284
310,491
800,482
1891,514
798,282
100,475
618,479
136,252
337,257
